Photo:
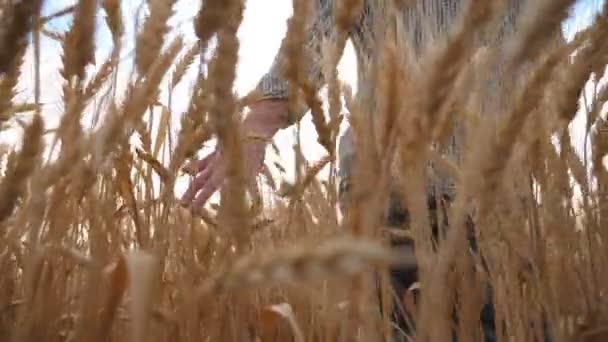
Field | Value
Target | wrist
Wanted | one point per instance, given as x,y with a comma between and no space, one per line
265,118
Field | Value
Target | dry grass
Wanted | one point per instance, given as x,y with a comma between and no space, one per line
95,247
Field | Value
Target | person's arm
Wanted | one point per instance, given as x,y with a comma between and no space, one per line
272,89
268,113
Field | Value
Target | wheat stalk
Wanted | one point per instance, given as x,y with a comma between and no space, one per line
13,185
150,38
17,21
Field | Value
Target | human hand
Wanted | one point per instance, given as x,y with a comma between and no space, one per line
262,122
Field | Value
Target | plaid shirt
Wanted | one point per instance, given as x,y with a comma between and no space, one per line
422,21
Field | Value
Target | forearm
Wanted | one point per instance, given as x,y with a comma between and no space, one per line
274,86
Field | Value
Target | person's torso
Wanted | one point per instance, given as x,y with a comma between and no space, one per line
423,24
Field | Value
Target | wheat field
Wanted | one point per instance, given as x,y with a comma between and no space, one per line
94,245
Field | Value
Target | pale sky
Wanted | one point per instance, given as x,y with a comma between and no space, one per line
260,35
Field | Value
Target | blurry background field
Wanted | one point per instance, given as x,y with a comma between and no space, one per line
99,111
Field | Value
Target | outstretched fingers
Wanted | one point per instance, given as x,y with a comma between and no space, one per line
196,185
199,165
212,172
208,189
